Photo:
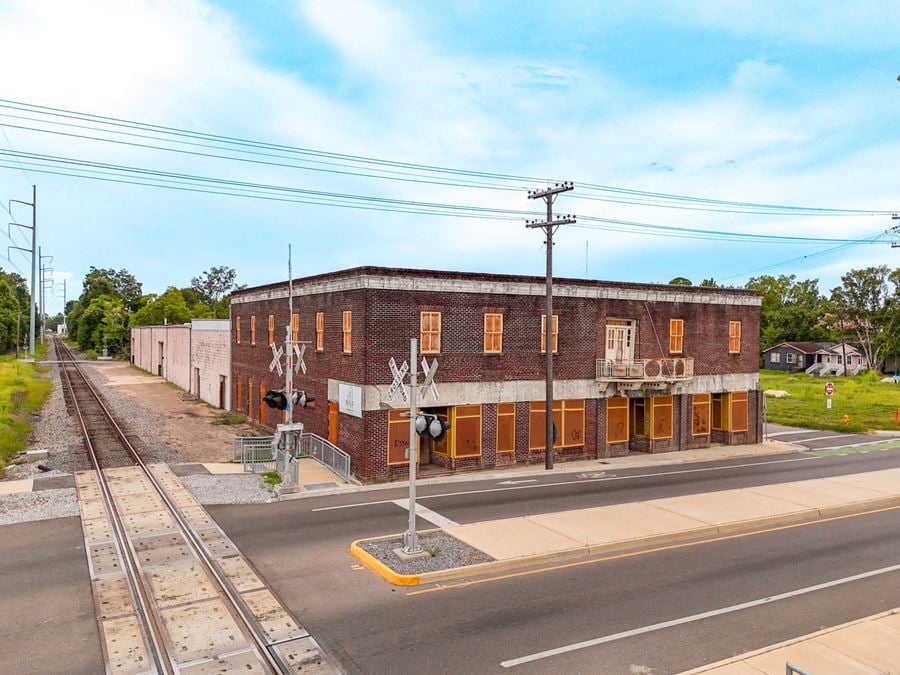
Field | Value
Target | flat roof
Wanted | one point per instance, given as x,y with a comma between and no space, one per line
394,272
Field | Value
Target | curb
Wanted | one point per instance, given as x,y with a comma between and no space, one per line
499,474
787,643
709,533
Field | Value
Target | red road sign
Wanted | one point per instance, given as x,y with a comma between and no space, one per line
829,389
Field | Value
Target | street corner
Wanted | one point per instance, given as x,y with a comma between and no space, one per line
442,556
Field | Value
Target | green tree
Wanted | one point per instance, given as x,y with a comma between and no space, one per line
170,307
681,281
710,283
103,323
791,310
867,304
213,285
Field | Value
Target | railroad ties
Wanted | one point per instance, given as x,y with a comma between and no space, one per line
172,592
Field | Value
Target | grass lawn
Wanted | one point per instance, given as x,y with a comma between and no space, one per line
23,389
868,403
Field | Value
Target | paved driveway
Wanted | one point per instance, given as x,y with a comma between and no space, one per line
822,440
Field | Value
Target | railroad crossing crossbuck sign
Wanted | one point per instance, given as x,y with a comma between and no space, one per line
397,384
277,353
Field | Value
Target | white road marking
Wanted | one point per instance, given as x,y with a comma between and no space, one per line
516,482
695,617
426,514
789,433
573,482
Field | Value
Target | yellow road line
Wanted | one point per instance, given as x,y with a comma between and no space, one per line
633,554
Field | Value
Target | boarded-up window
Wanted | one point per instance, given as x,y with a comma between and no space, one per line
676,336
617,420
720,405
638,417
739,414
240,394
320,331
466,426
347,330
237,329
573,423
271,329
295,327
262,404
700,414
661,415
253,329
398,437
430,332
568,418
506,427
493,333
544,333
734,337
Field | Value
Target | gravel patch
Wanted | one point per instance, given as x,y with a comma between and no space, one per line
447,552
24,507
228,489
140,424
56,432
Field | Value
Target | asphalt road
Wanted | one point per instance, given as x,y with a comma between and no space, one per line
47,624
301,547
819,440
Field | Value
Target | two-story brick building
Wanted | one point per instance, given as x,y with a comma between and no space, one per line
638,367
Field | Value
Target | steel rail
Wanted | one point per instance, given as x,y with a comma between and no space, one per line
138,586
260,643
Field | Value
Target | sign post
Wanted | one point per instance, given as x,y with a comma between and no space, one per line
410,539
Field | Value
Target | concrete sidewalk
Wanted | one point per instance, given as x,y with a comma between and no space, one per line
527,540
870,645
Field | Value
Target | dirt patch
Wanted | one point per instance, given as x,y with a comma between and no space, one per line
185,426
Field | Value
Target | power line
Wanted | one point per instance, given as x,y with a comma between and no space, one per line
658,199
203,184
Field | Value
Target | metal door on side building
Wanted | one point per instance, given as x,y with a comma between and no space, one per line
333,422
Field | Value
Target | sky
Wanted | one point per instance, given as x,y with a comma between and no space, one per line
756,101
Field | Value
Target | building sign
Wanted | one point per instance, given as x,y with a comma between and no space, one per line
350,399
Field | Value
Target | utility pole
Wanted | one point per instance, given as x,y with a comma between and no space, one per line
33,251
289,348
549,226
43,290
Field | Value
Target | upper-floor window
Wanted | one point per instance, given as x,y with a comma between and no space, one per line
271,329
734,337
295,327
237,329
493,333
346,329
430,332
253,329
555,341
320,331
676,336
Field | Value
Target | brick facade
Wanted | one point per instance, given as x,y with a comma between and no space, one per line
386,305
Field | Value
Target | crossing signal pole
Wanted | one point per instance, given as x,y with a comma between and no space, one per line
549,226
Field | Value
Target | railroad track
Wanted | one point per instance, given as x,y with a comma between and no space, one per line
172,592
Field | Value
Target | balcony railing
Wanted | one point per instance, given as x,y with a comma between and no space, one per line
649,370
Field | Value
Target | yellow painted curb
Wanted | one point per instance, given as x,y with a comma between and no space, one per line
379,567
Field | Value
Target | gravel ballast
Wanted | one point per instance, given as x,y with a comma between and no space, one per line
446,551
230,488
23,507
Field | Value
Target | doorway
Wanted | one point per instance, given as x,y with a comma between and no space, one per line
223,381
619,340
197,382
333,422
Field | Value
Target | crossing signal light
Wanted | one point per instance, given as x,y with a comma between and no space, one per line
431,426
301,399
276,399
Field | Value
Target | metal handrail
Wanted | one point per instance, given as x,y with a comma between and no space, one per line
326,453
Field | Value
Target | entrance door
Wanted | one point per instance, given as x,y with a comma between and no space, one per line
619,340
197,382
222,383
162,358
333,422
